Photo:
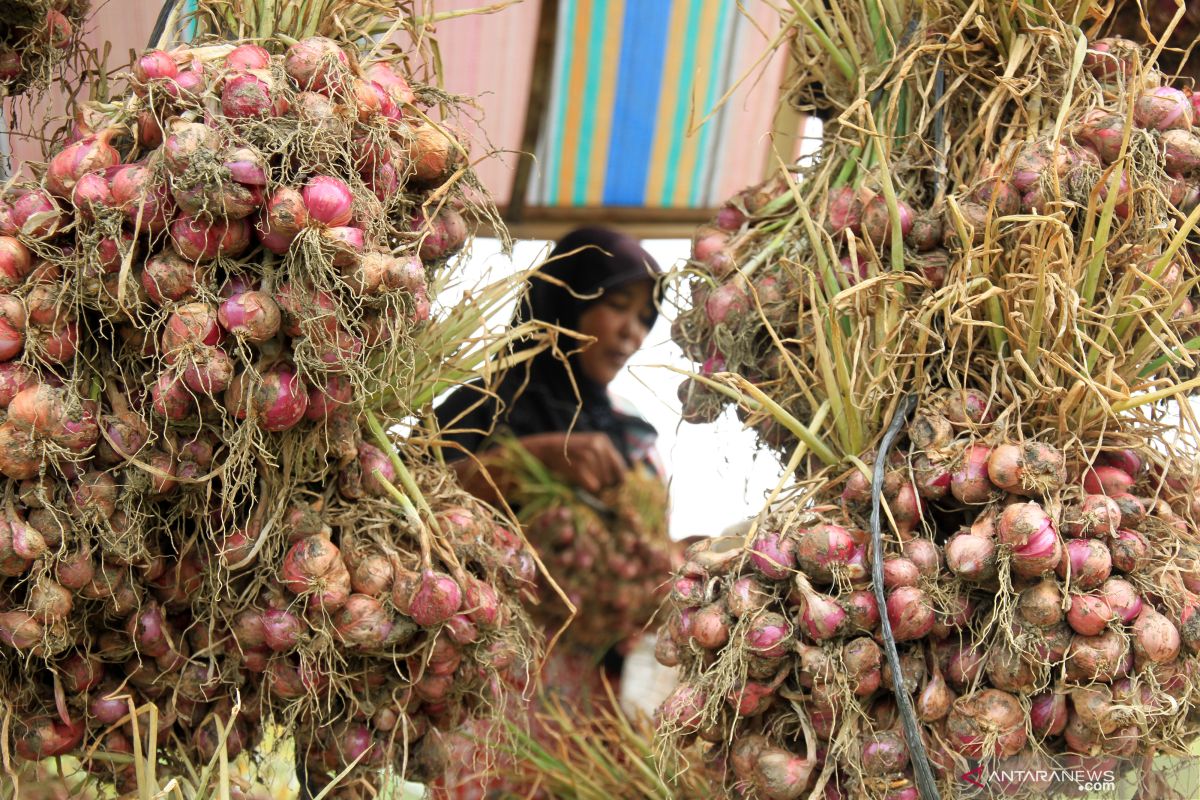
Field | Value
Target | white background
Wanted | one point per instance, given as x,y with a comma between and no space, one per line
717,475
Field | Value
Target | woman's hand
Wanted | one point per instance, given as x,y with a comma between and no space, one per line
589,460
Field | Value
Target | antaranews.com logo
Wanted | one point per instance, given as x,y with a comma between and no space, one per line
1084,780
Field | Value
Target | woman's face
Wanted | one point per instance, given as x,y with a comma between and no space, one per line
619,321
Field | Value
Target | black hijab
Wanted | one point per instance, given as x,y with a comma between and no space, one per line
545,394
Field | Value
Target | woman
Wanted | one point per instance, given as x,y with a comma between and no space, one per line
603,285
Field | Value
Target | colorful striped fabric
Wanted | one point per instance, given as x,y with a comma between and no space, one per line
633,82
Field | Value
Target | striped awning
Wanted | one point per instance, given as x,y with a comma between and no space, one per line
657,104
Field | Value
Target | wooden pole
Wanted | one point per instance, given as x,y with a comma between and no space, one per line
540,80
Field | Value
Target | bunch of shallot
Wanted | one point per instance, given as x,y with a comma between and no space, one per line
356,628
757,291
201,298
609,556
1044,609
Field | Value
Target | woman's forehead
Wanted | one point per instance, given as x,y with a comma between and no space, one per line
633,289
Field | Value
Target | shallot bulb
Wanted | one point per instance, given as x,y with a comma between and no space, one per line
822,550
314,567
884,753
1048,714
362,623
1041,604
681,710
16,262
986,723
249,95
877,220
751,698
710,627
1087,562
1122,598
146,201
1021,523
773,554
844,211
248,56
779,774
862,610
281,630
1163,108
442,236
1097,658
247,167
1108,480
1098,516
769,635
1031,469
1108,58
1155,638
328,201
250,315
168,277
1089,614
709,248
34,213
971,557
313,62
910,613
197,239
391,81
435,599
936,697
436,151
821,616
1128,551
970,483
69,165
1104,132
1181,150
185,142
154,65
277,401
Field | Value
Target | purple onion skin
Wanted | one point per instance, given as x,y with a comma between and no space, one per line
437,599
773,555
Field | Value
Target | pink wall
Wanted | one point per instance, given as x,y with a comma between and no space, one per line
752,104
491,57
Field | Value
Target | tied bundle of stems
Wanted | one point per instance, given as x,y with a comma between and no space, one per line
346,20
